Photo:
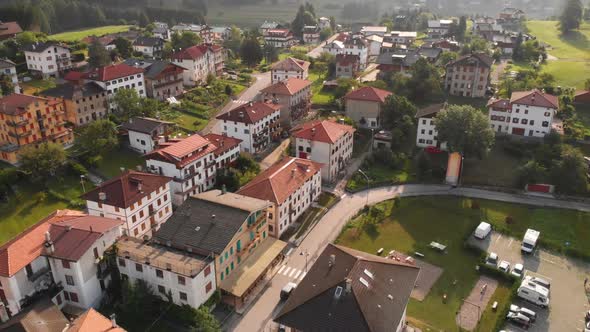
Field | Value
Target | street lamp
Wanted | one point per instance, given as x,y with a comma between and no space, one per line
366,178
306,254
82,183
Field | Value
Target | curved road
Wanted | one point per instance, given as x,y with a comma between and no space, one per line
259,316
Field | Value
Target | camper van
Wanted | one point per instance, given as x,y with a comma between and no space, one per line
534,294
482,231
530,240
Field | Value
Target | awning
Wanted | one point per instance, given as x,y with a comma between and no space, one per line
250,269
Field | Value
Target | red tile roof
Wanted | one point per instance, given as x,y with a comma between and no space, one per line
182,151
368,94
30,244
534,98
250,113
291,64
276,183
223,143
322,131
93,321
499,103
582,96
288,87
347,59
125,189
195,52
16,103
112,72
7,29
74,76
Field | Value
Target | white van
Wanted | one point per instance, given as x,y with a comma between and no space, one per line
482,231
530,240
539,281
534,294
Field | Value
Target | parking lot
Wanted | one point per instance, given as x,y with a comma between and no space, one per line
568,299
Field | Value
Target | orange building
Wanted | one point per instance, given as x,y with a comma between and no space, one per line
26,120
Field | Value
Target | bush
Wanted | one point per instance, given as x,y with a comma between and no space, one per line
77,168
247,71
497,274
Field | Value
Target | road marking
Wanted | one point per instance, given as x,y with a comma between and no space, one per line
281,269
292,272
297,274
302,275
510,243
287,270
498,238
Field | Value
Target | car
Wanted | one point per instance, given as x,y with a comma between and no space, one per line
539,281
492,259
517,270
287,290
504,266
525,311
519,319
587,327
482,230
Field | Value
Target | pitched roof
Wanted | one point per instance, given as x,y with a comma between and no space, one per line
374,292
250,113
93,321
111,72
207,222
9,28
368,93
42,316
67,90
430,110
127,188
17,103
6,63
195,52
482,58
287,87
223,143
144,125
498,103
72,233
39,47
291,64
276,183
534,98
322,131
182,151
148,41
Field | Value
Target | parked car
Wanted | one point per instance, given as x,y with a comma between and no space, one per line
534,294
504,266
287,290
482,230
529,240
525,311
517,270
539,281
492,259
587,327
519,319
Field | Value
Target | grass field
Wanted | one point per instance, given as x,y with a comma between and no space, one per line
319,95
111,163
71,36
497,169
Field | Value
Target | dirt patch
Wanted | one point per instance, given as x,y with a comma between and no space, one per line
475,304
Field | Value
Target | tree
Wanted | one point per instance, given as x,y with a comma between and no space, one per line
144,20
460,34
394,109
465,130
305,16
517,51
326,33
6,85
98,56
184,40
250,51
271,53
587,84
42,162
569,173
344,86
26,38
446,57
128,103
333,23
97,138
234,41
124,47
424,82
571,17
530,173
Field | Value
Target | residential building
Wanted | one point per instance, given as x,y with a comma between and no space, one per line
351,290
107,41
447,45
527,113
266,26
364,105
426,135
9,30
47,59
290,67
228,149
43,313
469,75
347,65
291,186
189,161
26,120
324,23
199,61
293,96
382,139
93,321
325,142
145,134
373,30
161,31
346,44
202,30
582,97
438,28
279,38
311,34
112,78
510,14
188,277
149,46
8,68
84,102
374,42
61,256
142,201
163,79
256,124
220,33
401,37
231,229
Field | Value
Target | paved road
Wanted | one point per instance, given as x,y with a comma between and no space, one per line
315,53
259,316
262,80
498,70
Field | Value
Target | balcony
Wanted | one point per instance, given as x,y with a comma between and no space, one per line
18,123
20,135
210,164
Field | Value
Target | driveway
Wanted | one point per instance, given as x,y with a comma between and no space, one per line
568,299
497,71
315,53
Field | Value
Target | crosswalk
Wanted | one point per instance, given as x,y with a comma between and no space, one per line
291,272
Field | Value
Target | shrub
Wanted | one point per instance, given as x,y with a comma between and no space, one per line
509,220
77,168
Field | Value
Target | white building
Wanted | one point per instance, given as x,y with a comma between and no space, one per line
67,247
346,44
146,133
402,37
426,135
324,23
438,28
228,149
527,113
47,59
325,142
202,30
279,38
374,43
161,30
311,34
189,278
112,78
149,46
8,68
290,67
199,61
142,201
255,124
291,185
373,30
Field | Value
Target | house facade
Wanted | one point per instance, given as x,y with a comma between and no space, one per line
47,59
9,30
289,68
112,78
279,38
84,102
347,65
438,28
202,30
364,105
426,135
293,96
145,134
163,79
346,44
469,75
199,61
311,34
228,149
8,68
149,46
401,37
291,186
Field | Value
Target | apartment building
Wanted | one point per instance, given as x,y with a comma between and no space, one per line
279,38
8,68
438,28
347,44
293,97
84,102
232,229
142,201
145,134
199,61
347,66
26,120
311,34
188,277
149,46
112,78
163,79
426,135
527,113
202,30
325,142
469,75
61,255
47,59
289,68
364,106
228,149
401,37
255,124
291,185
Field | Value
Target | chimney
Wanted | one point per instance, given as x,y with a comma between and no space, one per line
332,260
48,243
313,131
102,196
250,104
348,285
139,168
122,169
113,318
139,186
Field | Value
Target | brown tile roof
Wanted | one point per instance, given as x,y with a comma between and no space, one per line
534,98
223,143
291,64
182,151
16,103
347,59
430,110
287,87
195,52
250,113
376,298
42,316
498,103
369,93
276,183
482,58
127,188
8,29
112,72
322,131
93,321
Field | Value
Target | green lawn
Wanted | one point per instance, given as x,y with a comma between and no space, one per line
77,35
190,122
478,103
319,95
497,169
111,163
569,73
380,175
37,85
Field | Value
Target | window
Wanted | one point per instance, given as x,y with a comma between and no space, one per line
181,280
95,251
183,296
121,262
66,296
220,259
524,121
161,289
221,275
514,120
69,280
74,297
208,287
160,274
532,122
545,124
547,114
29,269
207,270
138,267
65,264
